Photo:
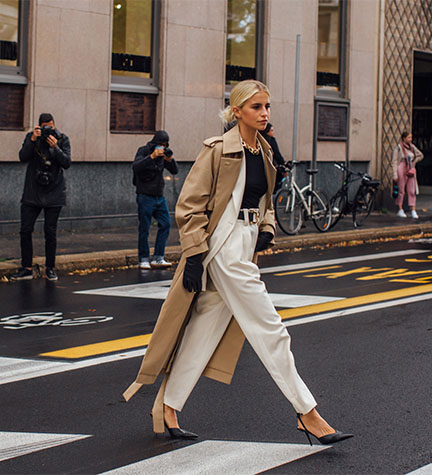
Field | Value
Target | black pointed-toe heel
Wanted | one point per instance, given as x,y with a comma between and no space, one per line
328,439
177,433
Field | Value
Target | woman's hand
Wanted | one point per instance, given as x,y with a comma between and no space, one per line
263,241
192,273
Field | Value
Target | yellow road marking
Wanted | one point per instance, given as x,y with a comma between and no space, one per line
143,340
307,270
354,301
357,270
100,348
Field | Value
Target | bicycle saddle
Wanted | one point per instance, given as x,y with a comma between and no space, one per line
311,171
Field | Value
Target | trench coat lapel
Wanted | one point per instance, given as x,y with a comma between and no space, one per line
230,165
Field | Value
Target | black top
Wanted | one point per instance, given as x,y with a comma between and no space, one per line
256,180
148,172
45,184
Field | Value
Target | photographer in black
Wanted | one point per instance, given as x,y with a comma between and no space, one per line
46,152
148,167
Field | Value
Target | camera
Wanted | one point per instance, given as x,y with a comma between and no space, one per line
46,131
43,177
168,152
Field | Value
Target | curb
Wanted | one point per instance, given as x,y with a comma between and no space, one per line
93,261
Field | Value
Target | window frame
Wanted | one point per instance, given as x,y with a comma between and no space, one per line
18,74
143,85
259,45
343,17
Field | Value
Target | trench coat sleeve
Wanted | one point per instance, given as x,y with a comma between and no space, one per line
268,223
192,213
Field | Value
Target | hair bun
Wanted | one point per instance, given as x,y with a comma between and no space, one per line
227,115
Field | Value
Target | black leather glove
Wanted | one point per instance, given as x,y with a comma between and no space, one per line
263,241
192,273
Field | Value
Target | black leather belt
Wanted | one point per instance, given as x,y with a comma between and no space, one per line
251,215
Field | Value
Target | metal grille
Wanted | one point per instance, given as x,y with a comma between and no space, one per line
408,26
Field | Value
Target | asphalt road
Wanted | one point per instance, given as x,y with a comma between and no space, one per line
361,328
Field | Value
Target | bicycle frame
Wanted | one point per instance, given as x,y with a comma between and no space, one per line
289,183
349,178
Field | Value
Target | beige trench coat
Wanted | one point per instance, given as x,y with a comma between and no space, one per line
202,201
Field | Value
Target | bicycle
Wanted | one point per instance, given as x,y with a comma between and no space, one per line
363,201
294,205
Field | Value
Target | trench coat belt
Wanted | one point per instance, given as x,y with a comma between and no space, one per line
249,216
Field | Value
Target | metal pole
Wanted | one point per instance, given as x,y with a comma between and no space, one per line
296,94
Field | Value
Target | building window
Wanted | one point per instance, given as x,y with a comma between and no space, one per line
134,74
244,44
331,46
135,43
13,41
13,51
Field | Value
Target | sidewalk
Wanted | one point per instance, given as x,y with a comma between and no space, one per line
118,247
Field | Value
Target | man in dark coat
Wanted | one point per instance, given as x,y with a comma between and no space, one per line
47,152
148,167
278,159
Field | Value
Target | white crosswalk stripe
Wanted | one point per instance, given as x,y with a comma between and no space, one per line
220,457
17,444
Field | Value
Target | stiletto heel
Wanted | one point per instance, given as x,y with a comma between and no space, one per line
177,433
328,439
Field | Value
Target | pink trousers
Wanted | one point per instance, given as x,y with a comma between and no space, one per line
409,182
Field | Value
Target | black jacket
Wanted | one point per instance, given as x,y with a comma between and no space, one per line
148,172
43,159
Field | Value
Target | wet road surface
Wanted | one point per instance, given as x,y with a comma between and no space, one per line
361,327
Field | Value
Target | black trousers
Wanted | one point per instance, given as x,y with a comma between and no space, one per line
29,215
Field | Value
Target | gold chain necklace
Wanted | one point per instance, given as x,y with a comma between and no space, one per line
253,151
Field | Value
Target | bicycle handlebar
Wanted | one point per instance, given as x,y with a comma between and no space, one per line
363,176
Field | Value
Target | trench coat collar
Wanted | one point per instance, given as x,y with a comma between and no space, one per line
232,142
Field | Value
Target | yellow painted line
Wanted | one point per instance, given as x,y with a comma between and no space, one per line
354,301
143,340
304,271
100,348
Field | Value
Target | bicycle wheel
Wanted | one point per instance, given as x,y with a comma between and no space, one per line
337,206
320,211
288,210
363,203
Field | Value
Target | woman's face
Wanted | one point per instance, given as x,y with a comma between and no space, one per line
255,112
408,138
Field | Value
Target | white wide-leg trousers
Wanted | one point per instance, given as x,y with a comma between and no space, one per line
239,292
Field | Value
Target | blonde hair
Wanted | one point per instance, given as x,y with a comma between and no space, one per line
240,94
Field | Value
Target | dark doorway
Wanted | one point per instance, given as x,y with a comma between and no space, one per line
422,117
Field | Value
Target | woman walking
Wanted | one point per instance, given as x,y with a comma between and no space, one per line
405,157
225,215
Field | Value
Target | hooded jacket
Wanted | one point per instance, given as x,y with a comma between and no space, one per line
148,172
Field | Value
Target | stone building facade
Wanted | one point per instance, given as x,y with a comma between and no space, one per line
76,61
406,85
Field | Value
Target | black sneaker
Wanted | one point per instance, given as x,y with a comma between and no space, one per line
51,274
23,274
